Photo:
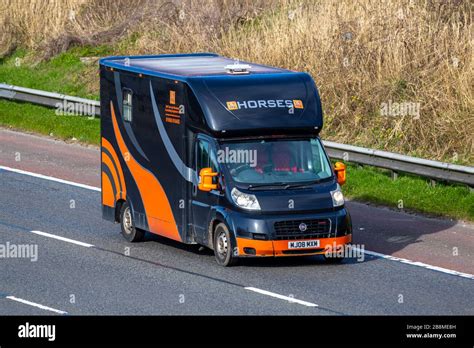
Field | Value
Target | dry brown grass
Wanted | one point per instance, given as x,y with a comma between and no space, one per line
360,53
371,52
30,23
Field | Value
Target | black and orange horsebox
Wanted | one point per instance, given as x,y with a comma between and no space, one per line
203,149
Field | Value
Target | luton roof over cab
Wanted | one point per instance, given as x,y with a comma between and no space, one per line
235,95
183,66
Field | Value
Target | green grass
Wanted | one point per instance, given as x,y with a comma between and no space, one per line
410,193
64,73
29,117
366,184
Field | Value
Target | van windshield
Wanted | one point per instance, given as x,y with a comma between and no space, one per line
275,161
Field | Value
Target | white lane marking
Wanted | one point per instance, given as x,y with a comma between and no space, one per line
373,253
260,291
49,235
37,305
282,297
50,178
419,264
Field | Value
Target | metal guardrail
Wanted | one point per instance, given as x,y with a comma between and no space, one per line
382,159
400,163
44,98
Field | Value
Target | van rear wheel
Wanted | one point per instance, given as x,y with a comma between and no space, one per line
224,246
129,231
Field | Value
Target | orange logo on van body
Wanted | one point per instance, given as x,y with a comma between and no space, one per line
172,97
298,104
232,105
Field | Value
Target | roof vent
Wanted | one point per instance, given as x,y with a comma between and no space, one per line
238,69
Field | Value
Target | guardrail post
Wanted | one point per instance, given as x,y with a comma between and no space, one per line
432,183
394,175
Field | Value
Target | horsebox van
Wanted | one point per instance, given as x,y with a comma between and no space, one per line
203,149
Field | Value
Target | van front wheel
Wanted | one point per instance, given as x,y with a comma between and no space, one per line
129,231
224,246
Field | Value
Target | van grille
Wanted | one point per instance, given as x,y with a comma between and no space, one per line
315,228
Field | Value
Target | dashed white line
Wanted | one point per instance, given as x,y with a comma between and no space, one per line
34,304
373,253
260,291
50,178
281,297
49,235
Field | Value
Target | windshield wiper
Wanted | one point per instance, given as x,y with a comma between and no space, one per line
276,185
285,186
302,185
306,184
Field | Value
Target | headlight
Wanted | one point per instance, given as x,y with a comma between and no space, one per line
337,197
244,200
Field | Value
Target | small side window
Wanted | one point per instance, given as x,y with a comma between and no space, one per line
213,160
127,105
202,156
206,157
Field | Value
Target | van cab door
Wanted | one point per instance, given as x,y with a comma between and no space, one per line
202,201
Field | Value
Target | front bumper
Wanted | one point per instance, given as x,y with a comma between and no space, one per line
250,247
256,235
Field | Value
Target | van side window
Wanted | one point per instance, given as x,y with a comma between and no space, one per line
202,155
127,105
213,160
205,156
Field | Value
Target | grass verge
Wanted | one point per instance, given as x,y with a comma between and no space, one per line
29,117
408,193
65,70
366,184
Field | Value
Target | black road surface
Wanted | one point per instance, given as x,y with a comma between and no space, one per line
107,275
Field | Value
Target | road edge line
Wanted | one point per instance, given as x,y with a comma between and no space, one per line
50,178
64,239
417,263
368,252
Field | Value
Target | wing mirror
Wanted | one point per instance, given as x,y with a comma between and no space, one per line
205,180
340,170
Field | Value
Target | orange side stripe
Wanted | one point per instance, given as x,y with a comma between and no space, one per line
157,208
107,193
108,162
108,146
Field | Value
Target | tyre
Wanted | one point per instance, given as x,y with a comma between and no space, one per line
129,231
224,246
